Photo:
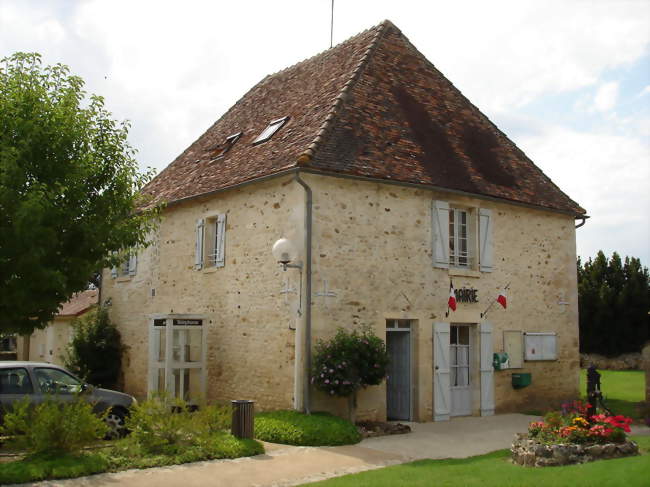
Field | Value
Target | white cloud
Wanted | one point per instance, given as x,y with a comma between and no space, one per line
644,91
173,69
608,175
606,97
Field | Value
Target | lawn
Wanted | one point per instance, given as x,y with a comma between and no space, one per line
495,469
622,389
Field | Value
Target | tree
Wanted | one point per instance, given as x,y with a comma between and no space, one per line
350,361
95,351
614,300
69,190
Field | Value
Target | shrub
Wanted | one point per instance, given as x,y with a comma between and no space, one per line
350,361
95,352
295,428
163,425
53,426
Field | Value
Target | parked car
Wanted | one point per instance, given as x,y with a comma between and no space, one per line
40,381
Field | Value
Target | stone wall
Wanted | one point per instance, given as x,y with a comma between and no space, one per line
530,453
626,361
372,261
372,247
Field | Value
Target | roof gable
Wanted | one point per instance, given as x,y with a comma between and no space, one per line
371,107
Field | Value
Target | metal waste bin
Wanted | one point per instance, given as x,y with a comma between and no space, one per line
242,418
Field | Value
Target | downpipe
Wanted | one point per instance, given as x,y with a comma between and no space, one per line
308,245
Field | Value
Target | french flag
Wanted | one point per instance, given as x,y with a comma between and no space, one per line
452,297
502,298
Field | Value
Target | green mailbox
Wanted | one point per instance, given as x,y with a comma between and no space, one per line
521,380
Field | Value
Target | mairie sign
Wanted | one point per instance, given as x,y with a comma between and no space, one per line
466,295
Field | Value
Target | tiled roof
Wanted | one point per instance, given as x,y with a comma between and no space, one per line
373,107
79,303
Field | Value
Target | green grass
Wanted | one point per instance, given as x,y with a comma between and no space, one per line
122,455
43,467
294,428
495,470
622,390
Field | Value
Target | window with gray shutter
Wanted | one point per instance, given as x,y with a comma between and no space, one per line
198,254
486,257
440,233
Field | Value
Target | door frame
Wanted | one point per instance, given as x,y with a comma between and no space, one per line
169,364
471,367
397,329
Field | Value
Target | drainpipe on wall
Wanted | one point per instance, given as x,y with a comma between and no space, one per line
584,220
307,330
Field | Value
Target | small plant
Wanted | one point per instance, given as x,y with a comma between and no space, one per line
295,428
95,352
52,426
573,425
350,361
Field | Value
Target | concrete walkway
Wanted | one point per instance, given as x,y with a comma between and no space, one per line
287,466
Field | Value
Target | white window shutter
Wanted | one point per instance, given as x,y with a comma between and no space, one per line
487,370
441,385
486,252
440,234
198,256
133,263
220,251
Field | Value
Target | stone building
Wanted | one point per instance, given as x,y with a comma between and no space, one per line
389,184
49,344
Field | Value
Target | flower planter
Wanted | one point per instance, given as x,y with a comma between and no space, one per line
531,453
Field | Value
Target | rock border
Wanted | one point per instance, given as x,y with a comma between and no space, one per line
531,453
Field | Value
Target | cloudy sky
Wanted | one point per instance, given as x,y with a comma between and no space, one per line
568,81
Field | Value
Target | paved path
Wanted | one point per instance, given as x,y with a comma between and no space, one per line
287,466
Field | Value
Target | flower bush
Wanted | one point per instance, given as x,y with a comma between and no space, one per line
574,425
350,361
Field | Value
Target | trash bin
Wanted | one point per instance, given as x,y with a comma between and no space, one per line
522,380
242,418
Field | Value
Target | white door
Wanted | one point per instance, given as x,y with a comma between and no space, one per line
460,351
441,396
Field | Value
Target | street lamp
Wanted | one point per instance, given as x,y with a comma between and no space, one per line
284,252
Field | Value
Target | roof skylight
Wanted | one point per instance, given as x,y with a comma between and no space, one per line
219,151
270,130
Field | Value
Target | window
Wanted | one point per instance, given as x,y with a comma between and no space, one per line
55,381
219,151
127,268
461,237
270,130
15,381
459,254
210,242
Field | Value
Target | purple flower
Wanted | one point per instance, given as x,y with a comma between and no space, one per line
322,375
312,380
331,370
327,381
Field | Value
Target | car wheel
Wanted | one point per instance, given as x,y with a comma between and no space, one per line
115,420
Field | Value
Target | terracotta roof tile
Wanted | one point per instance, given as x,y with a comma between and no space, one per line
79,303
374,107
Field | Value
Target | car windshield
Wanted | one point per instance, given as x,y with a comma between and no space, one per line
56,381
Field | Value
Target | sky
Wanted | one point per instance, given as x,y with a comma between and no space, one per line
567,81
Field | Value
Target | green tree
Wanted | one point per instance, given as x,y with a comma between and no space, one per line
95,351
69,188
614,300
349,361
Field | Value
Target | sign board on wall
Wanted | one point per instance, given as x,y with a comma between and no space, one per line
540,346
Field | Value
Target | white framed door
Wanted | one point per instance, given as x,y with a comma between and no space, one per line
460,369
441,391
177,357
